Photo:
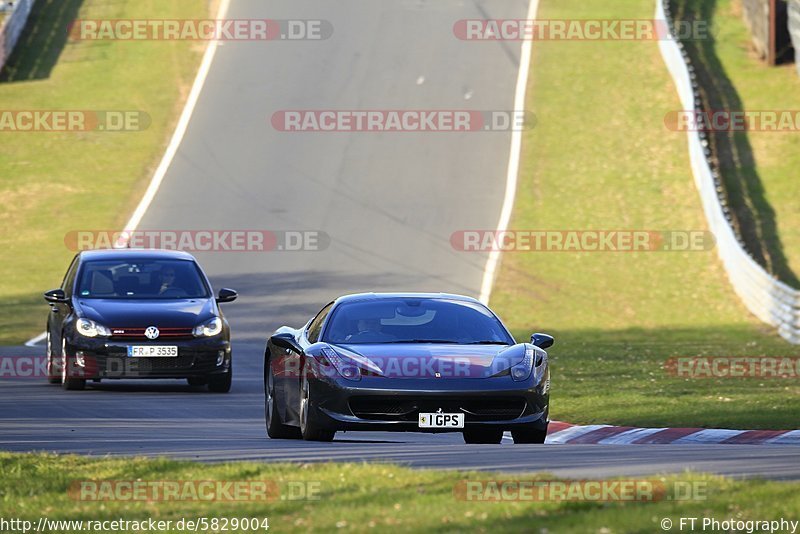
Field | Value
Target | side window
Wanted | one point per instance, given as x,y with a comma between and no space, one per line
315,327
69,278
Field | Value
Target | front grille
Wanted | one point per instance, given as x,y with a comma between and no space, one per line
147,365
401,408
121,366
137,334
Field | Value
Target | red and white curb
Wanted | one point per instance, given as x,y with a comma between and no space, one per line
567,434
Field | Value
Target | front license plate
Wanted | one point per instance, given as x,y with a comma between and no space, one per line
441,420
153,351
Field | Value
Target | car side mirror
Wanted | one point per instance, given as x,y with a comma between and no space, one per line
542,341
55,296
227,295
286,341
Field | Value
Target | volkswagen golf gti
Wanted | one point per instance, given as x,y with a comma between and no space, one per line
127,314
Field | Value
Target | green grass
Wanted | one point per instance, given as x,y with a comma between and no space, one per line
369,497
601,158
52,183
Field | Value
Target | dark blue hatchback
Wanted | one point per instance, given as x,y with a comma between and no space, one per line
126,313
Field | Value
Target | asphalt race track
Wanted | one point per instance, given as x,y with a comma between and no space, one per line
173,419
389,203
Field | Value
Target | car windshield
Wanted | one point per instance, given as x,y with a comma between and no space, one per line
414,320
141,279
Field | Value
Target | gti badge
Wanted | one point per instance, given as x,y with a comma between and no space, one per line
151,332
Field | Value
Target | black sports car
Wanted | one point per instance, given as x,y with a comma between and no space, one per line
137,314
406,362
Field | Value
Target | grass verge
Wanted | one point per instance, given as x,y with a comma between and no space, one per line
601,158
363,497
53,183
759,168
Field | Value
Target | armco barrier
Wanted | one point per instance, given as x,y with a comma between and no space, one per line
794,30
767,298
12,27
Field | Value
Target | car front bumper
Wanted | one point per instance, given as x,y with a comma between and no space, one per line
386,404
94,358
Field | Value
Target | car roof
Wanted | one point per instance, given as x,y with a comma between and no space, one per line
379,296
135,253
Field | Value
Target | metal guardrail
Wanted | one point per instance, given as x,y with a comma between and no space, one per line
12,26
794,29
767,298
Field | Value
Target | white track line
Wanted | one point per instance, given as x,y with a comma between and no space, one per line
492,262
34,340
177,136
172,148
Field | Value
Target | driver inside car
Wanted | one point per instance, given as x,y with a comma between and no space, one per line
369,330
167,278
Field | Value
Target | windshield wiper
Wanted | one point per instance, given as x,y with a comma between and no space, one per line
487,343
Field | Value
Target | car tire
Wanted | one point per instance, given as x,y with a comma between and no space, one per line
70,383
483,435
275,429
221,383
53,372
529,435
309,425
197,380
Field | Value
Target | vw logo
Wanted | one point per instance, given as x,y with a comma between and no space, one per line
151,332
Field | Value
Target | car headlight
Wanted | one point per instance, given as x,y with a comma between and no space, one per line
343,365
89,328
523,369
209,328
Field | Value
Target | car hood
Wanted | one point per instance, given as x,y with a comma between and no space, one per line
115,313
413,360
